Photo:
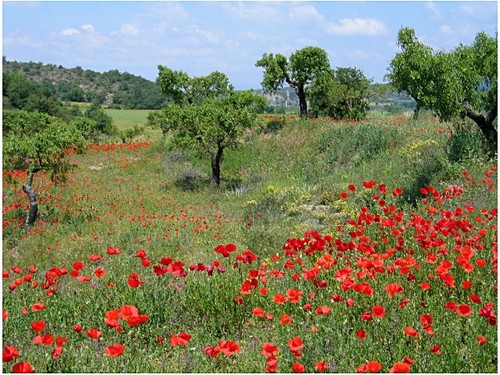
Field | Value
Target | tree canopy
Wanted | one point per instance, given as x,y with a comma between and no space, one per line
303,67
341,93
205,113
34,141
462,82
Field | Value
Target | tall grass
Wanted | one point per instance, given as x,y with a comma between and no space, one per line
304,185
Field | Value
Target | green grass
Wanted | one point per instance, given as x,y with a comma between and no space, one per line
276,186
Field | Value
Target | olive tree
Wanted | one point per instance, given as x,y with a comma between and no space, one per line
33,142
303,67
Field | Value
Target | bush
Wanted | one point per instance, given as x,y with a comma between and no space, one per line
465,142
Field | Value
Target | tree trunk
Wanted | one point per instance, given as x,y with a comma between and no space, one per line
485,124
30,192
416,112
216,161
301,93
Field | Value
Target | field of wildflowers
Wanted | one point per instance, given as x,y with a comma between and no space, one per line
129,270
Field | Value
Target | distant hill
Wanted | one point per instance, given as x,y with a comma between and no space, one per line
111,88
124,90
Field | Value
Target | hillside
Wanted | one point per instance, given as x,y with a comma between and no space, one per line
111,88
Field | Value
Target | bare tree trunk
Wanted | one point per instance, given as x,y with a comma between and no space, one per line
485,124
216,161
30,192
302,102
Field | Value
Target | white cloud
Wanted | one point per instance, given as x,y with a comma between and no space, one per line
357,26
87,27
69,32
129,29
357,54
256,13
446,29
305,13
206,34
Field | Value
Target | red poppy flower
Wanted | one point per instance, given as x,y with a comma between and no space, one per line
136,320
229,347
38,306
100,272
475,298
410,331
294,295
378,311
60,341
38,326
323,310
22,367
56,352
78,265
77,328
426,319
9,353
393,289
212,351
451,306
295,344
113,250
94,334
320,366
298,368
46,339
180,339
134,281
285,319
400,367
369,184
464,310
114,350
344,195
367,316
425,285
436,349
269,349
94,257
481,340
279,299
272,364
361,334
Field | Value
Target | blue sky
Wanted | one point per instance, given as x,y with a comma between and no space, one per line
201,37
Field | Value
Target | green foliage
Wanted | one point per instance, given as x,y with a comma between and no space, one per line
465,143
110,88
103,123
462,82
36,140
340,94
303,67
184,89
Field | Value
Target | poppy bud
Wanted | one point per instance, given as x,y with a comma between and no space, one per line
210,270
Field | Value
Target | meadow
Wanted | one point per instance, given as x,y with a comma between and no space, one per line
330,246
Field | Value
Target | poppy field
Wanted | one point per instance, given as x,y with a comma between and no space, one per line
305,260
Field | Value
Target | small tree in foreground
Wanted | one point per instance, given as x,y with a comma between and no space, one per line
33,142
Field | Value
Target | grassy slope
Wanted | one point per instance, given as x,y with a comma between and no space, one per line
157,200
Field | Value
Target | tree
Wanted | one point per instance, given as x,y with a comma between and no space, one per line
411,70
185,89
206,113
303,67
340,94
462,82
36,141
